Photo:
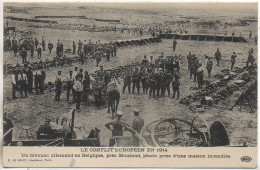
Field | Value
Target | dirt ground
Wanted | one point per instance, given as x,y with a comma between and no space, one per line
32,111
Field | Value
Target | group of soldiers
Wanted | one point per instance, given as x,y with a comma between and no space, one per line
155,76
76,82
22,80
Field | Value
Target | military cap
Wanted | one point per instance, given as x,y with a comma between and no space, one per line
135,110
119,113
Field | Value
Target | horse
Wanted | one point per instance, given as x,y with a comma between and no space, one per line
113,97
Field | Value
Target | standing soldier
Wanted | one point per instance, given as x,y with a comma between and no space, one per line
29,75
250,34
145,62
152,62
50,46
218,56
137,125
86,86
43,43
250,58
209,67
70,80
158,78
176,88
117,127
152,83
22,80
189,60
58,86
144,80
233,60
81,56
23,54
42,80
15,47
98,56
114,50
79,46
136,80
39,51
14,83
37,80
74,47
78,87
195,68
200,76
36,43
101,74
32,48
174,44
127,80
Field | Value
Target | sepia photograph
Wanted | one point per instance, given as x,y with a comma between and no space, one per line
130,74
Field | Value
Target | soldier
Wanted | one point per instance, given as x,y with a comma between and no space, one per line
79,46
29,74
145,62
98,56
39,51
127,80
23,54
233,60
50,46
101,73
85,48
43,43
36,43
176,88
78,87
158,79
14,77
80,74
32,48
174,44
136,80
152,62
114,50
70,81
42,80
15,47
200,76
144,80
45,131
250,58
218,56
81,56
189,60
209,66
117,127
250,35
37,80
137,125
22,80
75,72
74,47
86,86
58,86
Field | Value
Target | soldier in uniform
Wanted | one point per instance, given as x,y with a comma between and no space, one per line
189,60
101,73
117,127
45,131
32,48
200,76
174,44
58,86
78,87
218,56
22,80
136,80
233,60
209,66
86,86
152,83
37,80
14,77
39,51
144,80
43,43
176,88
127,80
137,125
195,68
79,46
70,81
250,59
42,81
50,46
152,62
15,46
29,74
114,50
23,54
145,62
74,47
158,79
